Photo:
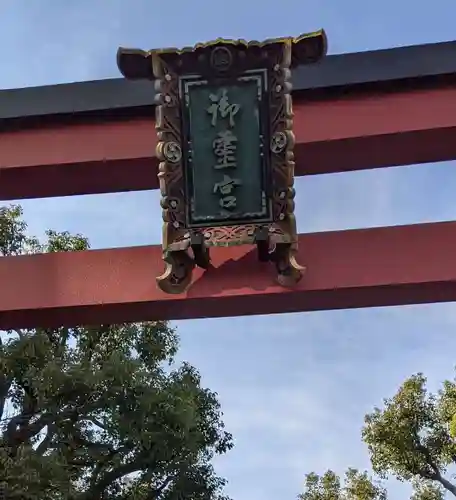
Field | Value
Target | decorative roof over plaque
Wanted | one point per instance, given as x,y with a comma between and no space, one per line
136,64
225,146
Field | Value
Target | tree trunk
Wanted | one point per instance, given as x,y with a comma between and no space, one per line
447,485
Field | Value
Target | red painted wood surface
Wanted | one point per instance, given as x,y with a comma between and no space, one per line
346,269
333,135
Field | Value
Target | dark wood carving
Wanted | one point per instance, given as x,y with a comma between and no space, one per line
188,233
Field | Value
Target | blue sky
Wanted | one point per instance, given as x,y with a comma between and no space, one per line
294,388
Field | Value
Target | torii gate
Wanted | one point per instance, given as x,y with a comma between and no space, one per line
351,112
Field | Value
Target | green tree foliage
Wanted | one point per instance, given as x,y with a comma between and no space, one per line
412,438
357,486
360,486
101,412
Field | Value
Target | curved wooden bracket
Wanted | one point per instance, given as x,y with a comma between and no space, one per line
262,242
200,250
178,272
289,272
180,264
262,212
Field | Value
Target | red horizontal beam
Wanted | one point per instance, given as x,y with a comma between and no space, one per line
345,269
333,135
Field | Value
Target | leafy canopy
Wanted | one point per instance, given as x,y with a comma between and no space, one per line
412,438
99,412
357,486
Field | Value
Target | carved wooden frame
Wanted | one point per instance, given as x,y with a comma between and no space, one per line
276,239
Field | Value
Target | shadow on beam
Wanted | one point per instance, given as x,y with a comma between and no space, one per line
346,269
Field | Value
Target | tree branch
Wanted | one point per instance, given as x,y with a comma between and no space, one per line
96,491
26,431
435,475
20,333
447,484
5,384
96,474
97,423
95,338
428,457
155,492
46,443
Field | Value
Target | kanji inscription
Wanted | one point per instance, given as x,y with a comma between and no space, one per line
224,122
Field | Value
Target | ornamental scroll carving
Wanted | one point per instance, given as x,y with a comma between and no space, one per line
224,123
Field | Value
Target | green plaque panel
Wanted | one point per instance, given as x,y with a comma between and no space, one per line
226,169
224,123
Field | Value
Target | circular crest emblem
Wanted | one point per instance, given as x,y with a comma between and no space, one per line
221,59
172,152
278,142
